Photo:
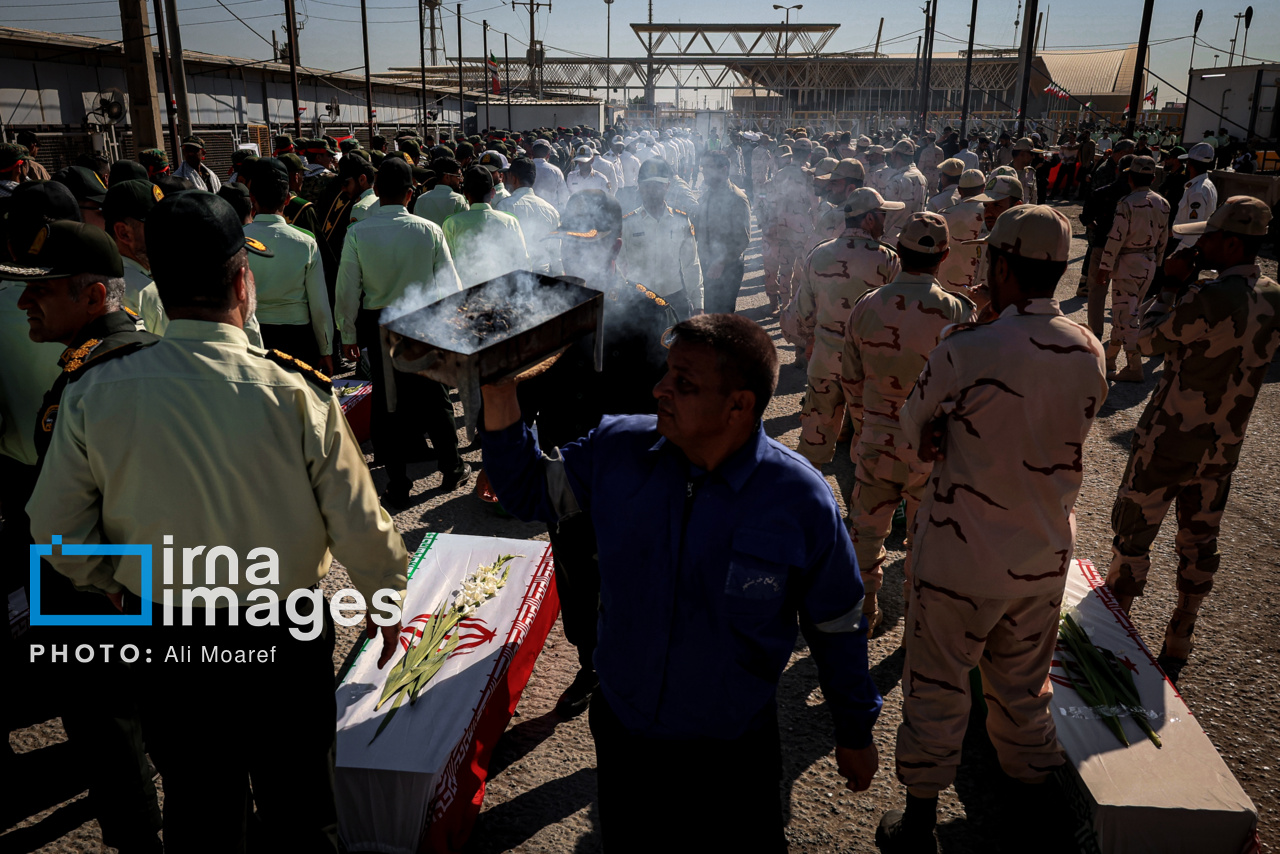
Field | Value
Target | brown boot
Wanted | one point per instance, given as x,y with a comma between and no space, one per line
1179,636
1112,352
1132,372
871,610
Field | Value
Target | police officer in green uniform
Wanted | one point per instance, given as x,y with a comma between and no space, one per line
299,211
73,288
204,439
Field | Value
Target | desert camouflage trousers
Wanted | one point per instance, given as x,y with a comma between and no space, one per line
882,479
1011,641
781,257
822,414
1129,282
1199,492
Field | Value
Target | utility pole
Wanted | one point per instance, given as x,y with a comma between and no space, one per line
926,91
433,8
535,57
371,113
489,73
608,47
968,71
1232,55
879,31
291,21
179,74
1139,68
171,107
461,99
139,75
1028,56
506,54
650,93
422,61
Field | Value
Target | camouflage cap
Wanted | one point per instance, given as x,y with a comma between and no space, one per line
803,144
12,154
281,142
864,142
349,144
782,151
876,149
823,169
193,142
1142,166
952,167
925,232
905,147
154,159
1025,144
1008,171
1175,153
1242,215
864,200
1035,232
971,178
850,169
999,188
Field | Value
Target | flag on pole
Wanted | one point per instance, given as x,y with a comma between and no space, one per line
492,63
1126,110
1057,91
1151,96
1089,106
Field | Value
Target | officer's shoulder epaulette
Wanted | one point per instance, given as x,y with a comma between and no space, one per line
114,346
677,210
309,373
631,213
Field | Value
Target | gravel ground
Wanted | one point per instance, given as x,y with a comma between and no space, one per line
541,794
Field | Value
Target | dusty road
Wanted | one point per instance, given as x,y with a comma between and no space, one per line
542,786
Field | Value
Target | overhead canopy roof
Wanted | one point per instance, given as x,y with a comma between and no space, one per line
1084,73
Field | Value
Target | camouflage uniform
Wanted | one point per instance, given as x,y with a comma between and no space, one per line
785,231
878,175
907,186
316,182
890,334
930,156
835,275
964,222
1135,248
1218,342
994,535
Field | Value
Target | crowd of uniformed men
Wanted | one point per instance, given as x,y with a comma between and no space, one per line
164,355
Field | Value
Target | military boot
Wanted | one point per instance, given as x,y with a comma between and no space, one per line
1132,372
1179,636
871,610
909,831
1113,352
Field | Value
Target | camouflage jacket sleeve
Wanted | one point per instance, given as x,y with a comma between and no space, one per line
852,375
1164,328
933,394
804,308
1116,237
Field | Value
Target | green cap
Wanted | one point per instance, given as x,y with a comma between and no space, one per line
132,199
65,248
242,155
348,145
85,184
195,230
194,142
11,154
293,163
269,170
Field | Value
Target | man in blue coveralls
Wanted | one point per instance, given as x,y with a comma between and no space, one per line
713,539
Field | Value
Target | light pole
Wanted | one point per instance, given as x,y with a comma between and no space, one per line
786,41
608,54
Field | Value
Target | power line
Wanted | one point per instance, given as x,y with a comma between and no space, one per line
249,28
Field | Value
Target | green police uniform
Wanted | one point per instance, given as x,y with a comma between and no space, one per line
293,305
363,205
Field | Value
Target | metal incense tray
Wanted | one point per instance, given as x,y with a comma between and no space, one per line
495,331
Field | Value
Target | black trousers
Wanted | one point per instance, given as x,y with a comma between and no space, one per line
97,701
573,542
720,295
297,340
698,795
228,738
421,403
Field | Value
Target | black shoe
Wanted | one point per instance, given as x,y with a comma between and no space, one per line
454,479
895,836
396,495
1170,664
577,696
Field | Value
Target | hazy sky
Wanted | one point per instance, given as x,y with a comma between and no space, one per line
331,35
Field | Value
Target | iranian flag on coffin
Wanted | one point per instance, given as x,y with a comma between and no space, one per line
410,776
